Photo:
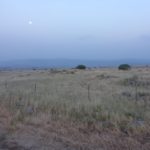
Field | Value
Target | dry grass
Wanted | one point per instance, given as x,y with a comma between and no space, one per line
75,109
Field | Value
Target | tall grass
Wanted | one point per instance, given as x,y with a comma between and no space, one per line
94,96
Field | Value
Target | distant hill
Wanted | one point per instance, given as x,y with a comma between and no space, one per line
68,63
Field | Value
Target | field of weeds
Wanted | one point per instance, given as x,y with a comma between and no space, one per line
93,109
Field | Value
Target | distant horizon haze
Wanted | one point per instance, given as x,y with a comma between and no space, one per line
69,63
95,30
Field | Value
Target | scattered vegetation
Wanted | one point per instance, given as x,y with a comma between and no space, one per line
92,101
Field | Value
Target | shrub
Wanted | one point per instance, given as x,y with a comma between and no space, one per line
81,67
124,67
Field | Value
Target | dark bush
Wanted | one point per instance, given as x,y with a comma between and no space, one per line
81,67
124,67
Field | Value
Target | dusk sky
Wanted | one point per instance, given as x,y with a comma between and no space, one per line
79,29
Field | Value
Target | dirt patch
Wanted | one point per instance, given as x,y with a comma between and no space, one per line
56,136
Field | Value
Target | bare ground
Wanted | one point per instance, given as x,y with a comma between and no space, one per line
64,136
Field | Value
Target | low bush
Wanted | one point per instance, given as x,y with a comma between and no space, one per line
83,67
124,67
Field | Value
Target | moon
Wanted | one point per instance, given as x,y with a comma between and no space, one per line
30,22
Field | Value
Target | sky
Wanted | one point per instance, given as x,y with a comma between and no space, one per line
79,29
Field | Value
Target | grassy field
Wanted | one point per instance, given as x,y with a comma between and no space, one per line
98,109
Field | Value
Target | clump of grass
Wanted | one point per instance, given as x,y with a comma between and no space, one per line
132,81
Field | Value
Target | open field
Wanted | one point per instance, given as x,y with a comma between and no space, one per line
93,109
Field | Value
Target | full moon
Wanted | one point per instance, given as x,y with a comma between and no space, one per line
30,22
